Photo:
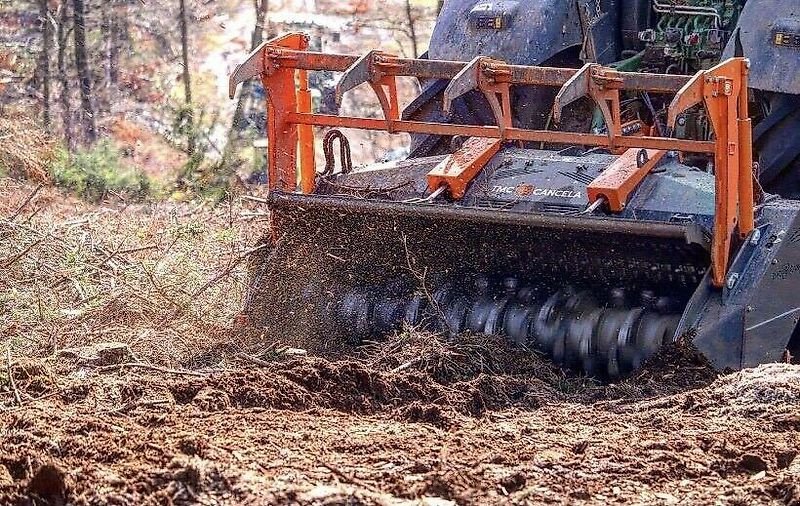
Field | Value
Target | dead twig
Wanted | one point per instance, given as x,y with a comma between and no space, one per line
11,380
139,365
208,284
335,257
11,261
120,251
25,203
271,467
33,401
347,478
253,360
403,367
422,279
255,199
136,250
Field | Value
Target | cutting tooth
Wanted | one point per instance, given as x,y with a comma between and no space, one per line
481,304
603,342
577,307
654,331
519,316
455,315
624,359
494,319
415,310
547,327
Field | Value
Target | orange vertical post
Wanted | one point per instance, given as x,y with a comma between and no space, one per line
306,134
281,133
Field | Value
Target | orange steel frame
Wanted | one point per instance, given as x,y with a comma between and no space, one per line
283,64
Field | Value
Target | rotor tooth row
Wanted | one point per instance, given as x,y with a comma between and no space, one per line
606,336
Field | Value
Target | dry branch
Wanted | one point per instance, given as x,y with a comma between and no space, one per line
25,203
79,282
253,360
11,380
347,478
228,270
14,259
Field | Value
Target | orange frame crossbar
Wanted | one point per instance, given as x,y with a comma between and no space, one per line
283,64
621,178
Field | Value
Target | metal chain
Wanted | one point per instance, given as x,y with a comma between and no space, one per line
598,10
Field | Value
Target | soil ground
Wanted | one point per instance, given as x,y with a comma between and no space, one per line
310,431
192,408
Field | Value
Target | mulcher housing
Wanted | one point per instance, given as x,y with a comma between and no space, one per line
597,249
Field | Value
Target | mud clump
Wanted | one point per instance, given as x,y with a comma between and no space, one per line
210,399
49,484
427,413
423,378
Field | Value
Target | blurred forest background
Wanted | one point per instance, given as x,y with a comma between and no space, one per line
128,98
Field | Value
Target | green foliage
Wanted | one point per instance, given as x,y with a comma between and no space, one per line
95,172
188,230
201,175
184,124
259,160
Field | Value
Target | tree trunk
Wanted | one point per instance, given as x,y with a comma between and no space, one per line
103,101
44,61
262,8
84,74
62,34
187,84
117,34
412,29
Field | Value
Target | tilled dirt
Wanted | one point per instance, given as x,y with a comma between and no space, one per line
391,427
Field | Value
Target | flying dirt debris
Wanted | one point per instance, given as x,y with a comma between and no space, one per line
593,213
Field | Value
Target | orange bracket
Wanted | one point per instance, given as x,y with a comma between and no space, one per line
723,91
601,85
460,168
483,74
618,181
279,78
372,68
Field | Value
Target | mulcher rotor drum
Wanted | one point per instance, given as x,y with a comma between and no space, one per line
596,301
602,335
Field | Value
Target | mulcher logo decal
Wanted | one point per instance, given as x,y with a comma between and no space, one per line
527,190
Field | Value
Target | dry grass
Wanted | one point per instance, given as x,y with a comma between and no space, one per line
25,150
167,279
445,361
